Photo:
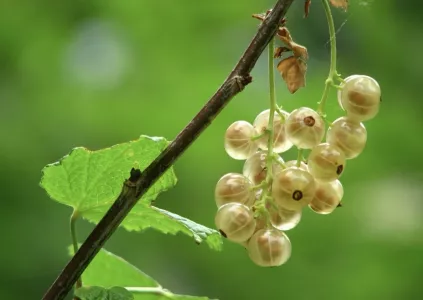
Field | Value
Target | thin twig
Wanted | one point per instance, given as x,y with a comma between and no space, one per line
139,183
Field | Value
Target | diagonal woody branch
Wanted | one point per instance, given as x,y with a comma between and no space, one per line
138,183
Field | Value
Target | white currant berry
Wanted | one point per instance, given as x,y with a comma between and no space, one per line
234,187
235,221
255,167
326,162
280,141
360,97
238,140
269,248
305,128
348,135
281,218
327,197
293,188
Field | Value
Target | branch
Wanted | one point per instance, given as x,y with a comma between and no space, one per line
139,183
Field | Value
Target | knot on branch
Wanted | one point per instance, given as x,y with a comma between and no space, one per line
135,175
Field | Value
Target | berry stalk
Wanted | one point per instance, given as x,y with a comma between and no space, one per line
299,157
332,71
272,111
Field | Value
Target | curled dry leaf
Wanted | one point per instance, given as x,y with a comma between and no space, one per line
339,3
293,68
293,71
298,50
284,35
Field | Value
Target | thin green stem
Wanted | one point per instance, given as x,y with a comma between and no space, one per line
259,186
332,71
299,157
280,162
72,224
151,290
259,136
281,115
260,206
271,66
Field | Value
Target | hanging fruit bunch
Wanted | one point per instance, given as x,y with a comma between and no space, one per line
257,206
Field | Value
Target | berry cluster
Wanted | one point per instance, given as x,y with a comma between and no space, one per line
257,206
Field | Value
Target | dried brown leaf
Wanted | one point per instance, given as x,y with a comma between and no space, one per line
293,71
339,4
284,35
307,8
299,51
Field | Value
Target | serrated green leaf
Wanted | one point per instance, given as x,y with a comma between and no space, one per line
87,180
90,181
100,293
108,270
142,217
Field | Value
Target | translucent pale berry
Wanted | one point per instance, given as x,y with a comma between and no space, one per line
235,221
360,97
349,135
280,141
327,198
326,162
234,187
293,188
305,128
238,142
283,219
261,223
269,248
255,167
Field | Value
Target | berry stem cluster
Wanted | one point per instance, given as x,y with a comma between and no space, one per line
255,208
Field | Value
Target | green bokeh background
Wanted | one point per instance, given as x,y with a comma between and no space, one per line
97,73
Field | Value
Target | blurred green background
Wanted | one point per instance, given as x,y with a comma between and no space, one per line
97,73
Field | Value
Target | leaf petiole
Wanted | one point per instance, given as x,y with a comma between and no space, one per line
72,224
299,157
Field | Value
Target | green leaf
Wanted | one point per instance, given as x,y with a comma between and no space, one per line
100,293
108,270
90,181
143,216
